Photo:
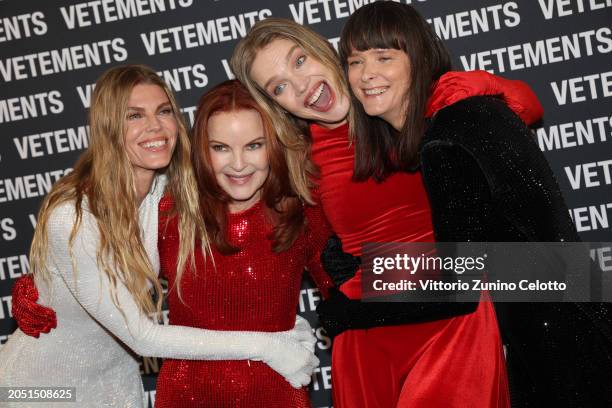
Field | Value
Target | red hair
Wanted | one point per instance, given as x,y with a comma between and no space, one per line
283,206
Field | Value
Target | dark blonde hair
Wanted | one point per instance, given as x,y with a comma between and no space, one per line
292,131
103,173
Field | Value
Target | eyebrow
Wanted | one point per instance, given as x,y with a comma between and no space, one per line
249,142
287,57
257,139
139,109
354,52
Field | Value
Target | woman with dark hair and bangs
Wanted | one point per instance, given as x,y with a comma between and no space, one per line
427,59
262,237
486,180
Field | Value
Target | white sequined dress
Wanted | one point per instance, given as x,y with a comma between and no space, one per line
93,347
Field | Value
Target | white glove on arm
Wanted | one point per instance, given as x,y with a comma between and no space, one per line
291,353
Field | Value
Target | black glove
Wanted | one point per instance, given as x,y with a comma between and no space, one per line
339,265
338,313
334,312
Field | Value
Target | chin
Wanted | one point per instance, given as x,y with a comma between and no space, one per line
240,199
374,110
159,165
240,196
330,117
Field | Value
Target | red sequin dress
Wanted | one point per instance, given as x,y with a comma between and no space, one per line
455,362
254,289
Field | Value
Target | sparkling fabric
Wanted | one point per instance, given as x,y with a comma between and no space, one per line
83,351
254,289
91,348
33,318
488,181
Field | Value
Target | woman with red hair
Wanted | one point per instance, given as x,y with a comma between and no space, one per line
262,237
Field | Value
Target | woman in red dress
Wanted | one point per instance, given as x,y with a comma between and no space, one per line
262,238
446,362
248,174
385,366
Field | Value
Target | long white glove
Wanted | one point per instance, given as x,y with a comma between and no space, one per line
291,353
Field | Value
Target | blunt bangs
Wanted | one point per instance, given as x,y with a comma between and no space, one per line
375,30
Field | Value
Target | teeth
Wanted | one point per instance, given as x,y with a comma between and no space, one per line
375,91
315,97
157,143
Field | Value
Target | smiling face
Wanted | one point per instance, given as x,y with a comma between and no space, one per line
380,79
150,130
238,156
299,83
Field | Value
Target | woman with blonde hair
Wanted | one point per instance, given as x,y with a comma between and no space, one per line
320,95
94,258
384,355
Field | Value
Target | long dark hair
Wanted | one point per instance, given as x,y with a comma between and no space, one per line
283,205
379,150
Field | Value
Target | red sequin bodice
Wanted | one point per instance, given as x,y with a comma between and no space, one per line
254,289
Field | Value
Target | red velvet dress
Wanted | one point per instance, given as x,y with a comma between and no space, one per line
254,289
455,362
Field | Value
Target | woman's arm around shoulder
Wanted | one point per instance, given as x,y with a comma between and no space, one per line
91,288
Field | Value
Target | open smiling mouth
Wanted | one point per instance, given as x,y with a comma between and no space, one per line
239,179
375,91
154,145
321,98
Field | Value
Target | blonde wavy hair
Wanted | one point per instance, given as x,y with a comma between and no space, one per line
103,173
291,130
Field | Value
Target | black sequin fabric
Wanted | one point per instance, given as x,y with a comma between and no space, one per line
487,180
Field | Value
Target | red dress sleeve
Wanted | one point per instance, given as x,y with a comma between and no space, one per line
317,233
166,228
31,317
454,86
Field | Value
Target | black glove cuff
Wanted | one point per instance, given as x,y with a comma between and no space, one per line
339,265
339,313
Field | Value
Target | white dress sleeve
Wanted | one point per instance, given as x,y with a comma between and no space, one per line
284,352
91,289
